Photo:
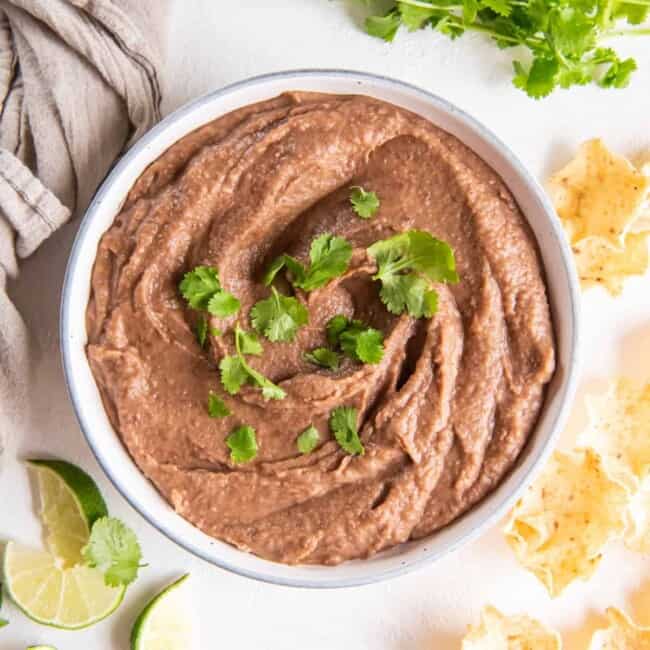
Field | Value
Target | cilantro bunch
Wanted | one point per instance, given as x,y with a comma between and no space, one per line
565,38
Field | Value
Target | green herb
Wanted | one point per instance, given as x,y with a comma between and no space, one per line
308,440
343,424
201,330
235,371
323,357
365,204
3,622
217,407
215,331
242,444
202,289
329,258
563,37
357,340
407,264
113,548
279,317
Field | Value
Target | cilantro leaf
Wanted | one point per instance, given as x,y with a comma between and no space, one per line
407,264
365,204
279,317
235,371
233,374
414,17
248,342
335,326
383,26
217,407
500,7
308,440
323,357
329,257
618,74
3,622
202,289
358,341
343,424
242,443
113,548
201,330
199,285
223,304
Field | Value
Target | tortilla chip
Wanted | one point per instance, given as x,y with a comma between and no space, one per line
622,634
561,525
619,431
599,263
599,194
499,632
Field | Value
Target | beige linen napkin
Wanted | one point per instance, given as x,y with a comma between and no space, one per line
78,84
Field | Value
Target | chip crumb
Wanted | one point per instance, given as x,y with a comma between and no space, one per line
519,632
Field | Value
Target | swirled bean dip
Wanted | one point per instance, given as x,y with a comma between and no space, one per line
444,414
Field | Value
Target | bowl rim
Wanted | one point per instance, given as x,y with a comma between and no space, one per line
566,391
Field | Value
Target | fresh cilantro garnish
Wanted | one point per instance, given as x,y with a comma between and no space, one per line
279,317
202,289
215,331
242,444
329,257
357,340
323,357
343,424
113,548
365,204
235,371
308,440
563,37
217,407
3,622
201,330
407,264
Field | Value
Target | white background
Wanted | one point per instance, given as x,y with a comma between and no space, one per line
212,43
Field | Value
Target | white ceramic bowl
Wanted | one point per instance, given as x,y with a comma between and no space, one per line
103,440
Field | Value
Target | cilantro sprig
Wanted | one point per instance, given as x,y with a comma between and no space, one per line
217,408
407,265
113,548
564,38
364,203
324,357
201,288
343,424
235,371
329,258
279,317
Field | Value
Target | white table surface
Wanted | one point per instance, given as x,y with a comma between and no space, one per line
212,43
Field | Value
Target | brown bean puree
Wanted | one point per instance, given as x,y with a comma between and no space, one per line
443,416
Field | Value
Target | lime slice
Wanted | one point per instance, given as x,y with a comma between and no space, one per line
68,598
70,505
55,587
164,623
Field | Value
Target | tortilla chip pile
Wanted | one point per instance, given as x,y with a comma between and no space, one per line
584,499
499,632
604,203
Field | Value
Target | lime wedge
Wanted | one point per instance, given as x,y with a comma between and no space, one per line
165,622
54,587
70,505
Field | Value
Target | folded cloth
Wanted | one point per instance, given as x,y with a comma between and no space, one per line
78,84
